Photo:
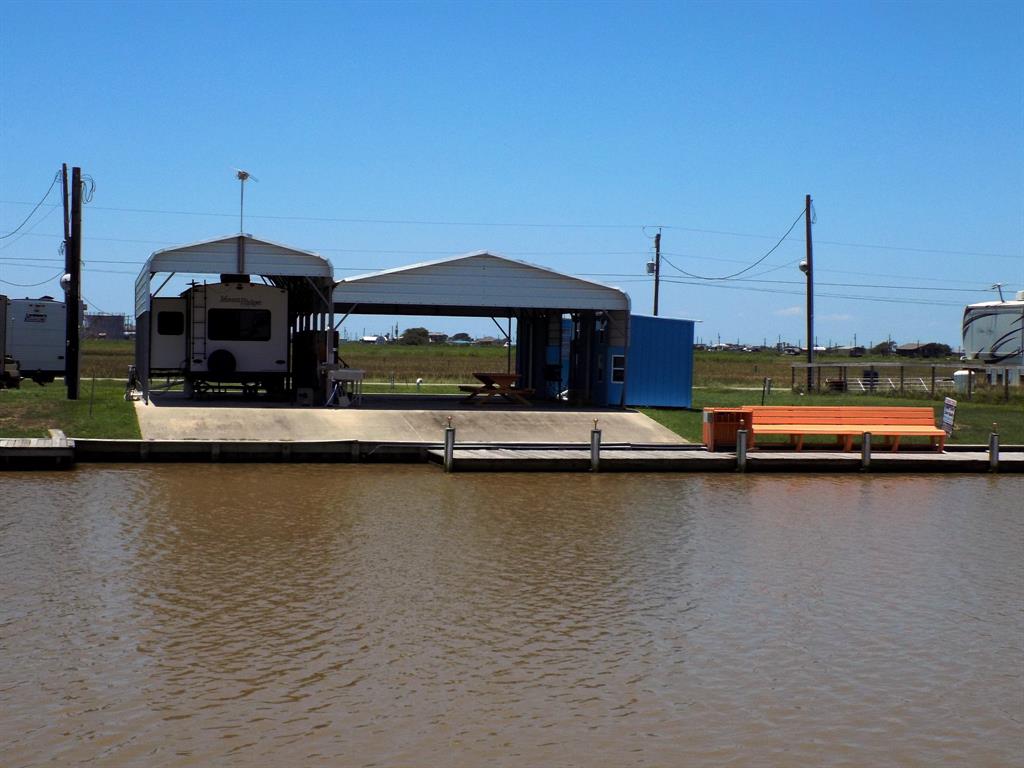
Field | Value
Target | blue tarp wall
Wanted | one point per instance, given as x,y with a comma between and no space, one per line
660,362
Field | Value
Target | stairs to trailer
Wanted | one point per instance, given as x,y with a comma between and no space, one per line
197,313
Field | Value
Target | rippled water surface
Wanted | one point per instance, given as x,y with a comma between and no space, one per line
397,616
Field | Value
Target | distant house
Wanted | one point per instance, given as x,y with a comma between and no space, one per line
930,349
437,338
857,351
102,326
487,341
374,340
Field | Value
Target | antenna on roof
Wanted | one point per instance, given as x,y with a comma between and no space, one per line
998,287
242,176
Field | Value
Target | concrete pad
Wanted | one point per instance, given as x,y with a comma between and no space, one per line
180,421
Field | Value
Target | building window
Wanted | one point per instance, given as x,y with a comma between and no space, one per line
239,325
170,323
618,368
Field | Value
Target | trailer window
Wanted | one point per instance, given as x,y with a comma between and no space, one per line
239,325
170,323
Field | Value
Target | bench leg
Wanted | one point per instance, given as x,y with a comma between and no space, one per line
895,443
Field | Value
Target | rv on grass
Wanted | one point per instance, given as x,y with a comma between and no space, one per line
36,334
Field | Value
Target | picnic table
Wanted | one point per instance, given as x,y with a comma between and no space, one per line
496,385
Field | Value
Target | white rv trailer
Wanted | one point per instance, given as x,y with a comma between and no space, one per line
36,333
276,335
993,332
234,331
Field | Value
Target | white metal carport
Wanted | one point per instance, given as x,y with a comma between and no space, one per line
308,277
482,284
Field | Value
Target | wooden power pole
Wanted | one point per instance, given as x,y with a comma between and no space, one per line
73,295
657,269
809,271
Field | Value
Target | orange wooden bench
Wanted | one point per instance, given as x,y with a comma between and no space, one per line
845,422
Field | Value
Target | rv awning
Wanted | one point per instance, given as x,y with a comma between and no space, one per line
477,284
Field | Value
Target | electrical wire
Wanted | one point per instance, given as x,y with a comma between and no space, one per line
745,269
33,285
14,231
528,225
924,302
29,231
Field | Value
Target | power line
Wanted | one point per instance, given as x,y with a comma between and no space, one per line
745,269
14,231
923,302
33,285
532,225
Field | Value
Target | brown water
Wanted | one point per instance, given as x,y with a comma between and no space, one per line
397,616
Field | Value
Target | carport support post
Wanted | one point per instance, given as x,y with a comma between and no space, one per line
865,451
741,447
993,449
449,446
595,448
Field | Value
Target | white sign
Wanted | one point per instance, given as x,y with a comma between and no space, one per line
948,414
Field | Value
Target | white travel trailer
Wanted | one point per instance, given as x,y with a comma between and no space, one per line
266,325
234,331
36,333
993,332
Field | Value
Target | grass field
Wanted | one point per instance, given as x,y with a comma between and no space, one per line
31,410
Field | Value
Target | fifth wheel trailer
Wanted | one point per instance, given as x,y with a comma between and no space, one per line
993,332
229,332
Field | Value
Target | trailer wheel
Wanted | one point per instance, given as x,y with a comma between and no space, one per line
221,362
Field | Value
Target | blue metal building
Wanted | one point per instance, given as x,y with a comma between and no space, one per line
660,362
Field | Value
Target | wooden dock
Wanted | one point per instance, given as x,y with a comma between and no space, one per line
696,459
59,452
53,452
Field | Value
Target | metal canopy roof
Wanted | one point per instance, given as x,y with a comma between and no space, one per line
475,284
235,254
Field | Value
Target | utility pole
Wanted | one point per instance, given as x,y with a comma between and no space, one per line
657,269
808,269
73,269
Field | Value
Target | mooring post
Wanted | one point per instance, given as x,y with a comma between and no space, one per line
993,449
865,451
595,448
449,446
741,446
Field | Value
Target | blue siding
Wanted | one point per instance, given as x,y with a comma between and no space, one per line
660,362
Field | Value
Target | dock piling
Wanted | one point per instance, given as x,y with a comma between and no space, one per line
865,451
595,448
741,447
449,446
993,449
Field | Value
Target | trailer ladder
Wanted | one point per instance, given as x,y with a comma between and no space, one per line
197,339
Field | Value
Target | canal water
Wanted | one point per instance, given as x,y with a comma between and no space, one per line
396,616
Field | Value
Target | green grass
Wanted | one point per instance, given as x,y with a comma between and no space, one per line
973,419
434,363
31,410
107,358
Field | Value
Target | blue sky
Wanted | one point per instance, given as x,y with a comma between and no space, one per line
905,122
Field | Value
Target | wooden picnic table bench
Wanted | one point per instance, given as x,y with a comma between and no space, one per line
845,422
496,385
